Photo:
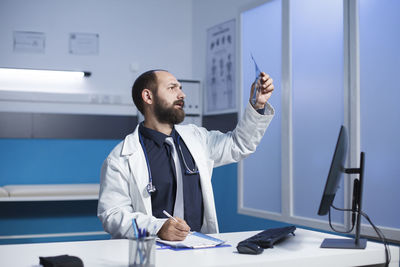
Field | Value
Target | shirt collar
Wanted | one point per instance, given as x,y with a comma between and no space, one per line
157,137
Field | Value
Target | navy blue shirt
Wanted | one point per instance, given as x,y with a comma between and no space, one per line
163,174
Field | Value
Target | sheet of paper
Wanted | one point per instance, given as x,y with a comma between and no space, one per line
194,240
256,83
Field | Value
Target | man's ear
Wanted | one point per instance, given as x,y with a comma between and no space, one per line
147,96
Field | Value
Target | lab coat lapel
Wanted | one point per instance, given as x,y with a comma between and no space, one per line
210,224
138,169
195,149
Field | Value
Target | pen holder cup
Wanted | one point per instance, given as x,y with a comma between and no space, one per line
142,252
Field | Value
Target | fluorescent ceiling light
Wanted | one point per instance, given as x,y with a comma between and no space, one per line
10,73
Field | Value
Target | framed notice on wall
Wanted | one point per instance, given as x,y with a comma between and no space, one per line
220,87
29,42
84,43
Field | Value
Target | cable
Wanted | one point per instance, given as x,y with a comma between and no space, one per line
330,223
377,230
381,236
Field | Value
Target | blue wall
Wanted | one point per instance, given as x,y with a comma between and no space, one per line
225,193
41,161
54,161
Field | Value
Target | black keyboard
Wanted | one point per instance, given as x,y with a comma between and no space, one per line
267,238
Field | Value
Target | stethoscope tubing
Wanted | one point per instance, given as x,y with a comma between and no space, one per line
150,187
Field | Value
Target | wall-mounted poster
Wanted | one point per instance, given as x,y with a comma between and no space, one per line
221,65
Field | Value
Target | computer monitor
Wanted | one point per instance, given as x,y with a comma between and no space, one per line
336,171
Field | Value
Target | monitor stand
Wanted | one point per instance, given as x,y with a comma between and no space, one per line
348,243
357,242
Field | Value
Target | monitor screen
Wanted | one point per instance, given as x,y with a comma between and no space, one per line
335,172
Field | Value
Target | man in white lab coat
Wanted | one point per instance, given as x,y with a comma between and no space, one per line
133,190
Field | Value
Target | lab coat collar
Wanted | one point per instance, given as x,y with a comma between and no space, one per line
131,143
157,137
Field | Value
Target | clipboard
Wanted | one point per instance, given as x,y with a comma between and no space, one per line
193,241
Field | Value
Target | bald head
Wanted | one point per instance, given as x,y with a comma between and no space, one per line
147,80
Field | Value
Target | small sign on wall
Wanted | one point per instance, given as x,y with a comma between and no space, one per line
84,43
29,42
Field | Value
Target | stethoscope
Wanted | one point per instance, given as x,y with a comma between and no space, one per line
150,187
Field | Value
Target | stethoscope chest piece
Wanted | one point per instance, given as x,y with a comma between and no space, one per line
151,188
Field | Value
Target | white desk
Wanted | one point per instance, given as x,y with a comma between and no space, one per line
301,250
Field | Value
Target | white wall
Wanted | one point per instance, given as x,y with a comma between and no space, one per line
150,34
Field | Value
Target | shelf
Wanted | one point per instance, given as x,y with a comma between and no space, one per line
50,192
49,198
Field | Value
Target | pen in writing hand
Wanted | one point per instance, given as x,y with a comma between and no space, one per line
169,215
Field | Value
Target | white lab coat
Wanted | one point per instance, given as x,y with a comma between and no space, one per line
124,176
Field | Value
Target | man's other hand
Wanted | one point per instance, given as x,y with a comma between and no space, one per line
266,87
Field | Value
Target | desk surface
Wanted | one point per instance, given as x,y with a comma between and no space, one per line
300,250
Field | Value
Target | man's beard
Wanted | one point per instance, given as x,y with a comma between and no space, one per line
165,114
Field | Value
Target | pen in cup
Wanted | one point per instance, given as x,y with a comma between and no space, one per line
135,228
169,215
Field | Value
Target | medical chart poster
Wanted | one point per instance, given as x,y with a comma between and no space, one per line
220,87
